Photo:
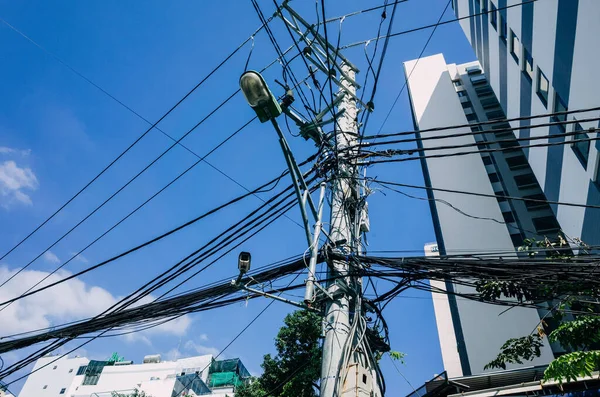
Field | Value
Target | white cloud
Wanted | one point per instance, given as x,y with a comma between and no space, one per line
71,300
7,150
13,181
200,349
79,258
51,257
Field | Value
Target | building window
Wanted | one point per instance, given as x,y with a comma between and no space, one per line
500,196
517,239
508,217
528,64
560,107
540,203
494,177
45,387
525,181
543,86
515,163
545,224
462,94
515,46
81,370
493,15
457,83
487,160
476,129
495,114
581,149
503,28
472,117
508,144
466,104
62,391
477,80
473,70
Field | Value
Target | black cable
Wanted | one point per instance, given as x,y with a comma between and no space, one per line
281,55
131,301
149,242
530,200
128,215
494,131
480,151
120,189
176,142
366,115
229,56
44,351
440,23
486,123
455,208
410,74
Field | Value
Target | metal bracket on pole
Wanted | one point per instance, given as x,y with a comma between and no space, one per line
312,266
318,36
268,295
298,182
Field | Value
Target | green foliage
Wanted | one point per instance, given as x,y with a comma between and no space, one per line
580,333
398,356
296,368
516,350
572,365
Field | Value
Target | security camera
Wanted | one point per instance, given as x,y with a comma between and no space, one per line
244,262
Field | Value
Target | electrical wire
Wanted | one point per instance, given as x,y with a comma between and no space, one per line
525,199
152,126
122,306
149,242
359,43
438,23
487,123
480,151
496,131
366,115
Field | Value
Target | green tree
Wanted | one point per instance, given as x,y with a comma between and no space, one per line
578,334
295,370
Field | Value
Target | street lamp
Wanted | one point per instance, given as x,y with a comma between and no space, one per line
259,97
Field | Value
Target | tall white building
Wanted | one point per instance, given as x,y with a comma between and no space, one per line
541,57
471,333
81,377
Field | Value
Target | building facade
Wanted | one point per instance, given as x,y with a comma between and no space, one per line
81,377
540,58
492,164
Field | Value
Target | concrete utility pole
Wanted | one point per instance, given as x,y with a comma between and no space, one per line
346,370
349,365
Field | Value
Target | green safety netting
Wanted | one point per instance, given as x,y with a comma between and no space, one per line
219,379
227,373
231,365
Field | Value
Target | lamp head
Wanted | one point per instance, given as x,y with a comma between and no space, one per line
259,97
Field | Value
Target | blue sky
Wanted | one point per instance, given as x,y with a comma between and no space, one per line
57,131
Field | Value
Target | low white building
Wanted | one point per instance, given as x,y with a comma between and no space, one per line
81,377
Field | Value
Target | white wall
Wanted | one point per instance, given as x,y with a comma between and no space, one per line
584,89
435,103
584,94
151,375
53,379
